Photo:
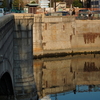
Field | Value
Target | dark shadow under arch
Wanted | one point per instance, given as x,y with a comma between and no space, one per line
6,87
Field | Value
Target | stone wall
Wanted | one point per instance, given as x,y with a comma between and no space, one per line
64,35
53,34
87,37
56,32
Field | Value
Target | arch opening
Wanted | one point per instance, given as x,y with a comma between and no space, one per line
6,87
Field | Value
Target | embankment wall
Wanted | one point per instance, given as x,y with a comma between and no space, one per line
64,35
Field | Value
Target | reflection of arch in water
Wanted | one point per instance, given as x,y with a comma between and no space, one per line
6,85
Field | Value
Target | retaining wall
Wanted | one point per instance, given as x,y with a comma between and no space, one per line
63,35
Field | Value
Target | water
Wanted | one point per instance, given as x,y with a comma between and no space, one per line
66,78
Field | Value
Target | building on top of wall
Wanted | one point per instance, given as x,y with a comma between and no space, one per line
60,6
32,8
95,3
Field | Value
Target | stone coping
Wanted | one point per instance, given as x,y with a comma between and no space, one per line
5,19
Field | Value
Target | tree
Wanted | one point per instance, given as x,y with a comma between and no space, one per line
21,4
33,2
77,3
18,4
4,4
58,0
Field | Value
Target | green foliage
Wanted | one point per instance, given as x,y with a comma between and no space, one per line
58,0
18,4
77,3
4,4
33,2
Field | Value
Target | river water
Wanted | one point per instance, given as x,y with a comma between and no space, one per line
66,78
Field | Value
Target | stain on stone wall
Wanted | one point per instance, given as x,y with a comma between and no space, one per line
45,26
70,38
90,37
63,27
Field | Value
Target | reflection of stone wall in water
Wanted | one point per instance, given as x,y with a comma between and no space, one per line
87,70
37,65
52,77
63,74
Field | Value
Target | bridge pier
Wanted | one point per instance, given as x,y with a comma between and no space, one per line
23,54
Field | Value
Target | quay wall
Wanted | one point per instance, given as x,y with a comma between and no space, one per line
64,34
87,36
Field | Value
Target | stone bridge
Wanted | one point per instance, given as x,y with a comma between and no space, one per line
6,55
16,54
50,35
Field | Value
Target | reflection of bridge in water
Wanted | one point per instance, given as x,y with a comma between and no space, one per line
61,76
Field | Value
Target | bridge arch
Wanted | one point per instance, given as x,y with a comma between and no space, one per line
6,86
6,77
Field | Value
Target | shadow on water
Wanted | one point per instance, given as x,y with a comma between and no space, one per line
61,78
